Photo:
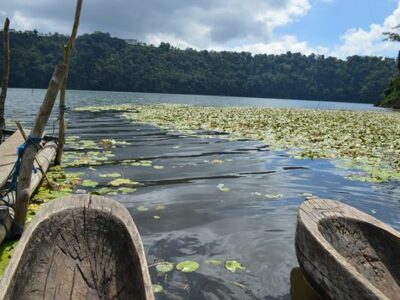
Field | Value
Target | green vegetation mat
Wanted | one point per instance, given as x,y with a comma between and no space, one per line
362,140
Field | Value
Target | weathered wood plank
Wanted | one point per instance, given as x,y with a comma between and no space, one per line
345,253
80,247
8,155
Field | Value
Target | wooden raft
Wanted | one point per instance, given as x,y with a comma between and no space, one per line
80,247
347,254
8,157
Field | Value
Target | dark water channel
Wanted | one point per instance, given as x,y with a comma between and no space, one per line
197,221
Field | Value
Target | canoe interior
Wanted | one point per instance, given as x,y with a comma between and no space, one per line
345,253
373,252
79,253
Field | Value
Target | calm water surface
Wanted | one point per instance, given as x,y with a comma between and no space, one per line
199,222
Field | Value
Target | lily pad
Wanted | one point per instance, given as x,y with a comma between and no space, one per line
273,196
223,188
126,190
187,266
233,266
89,183
123,181
157,288
142,208
110,175
165,267
214,262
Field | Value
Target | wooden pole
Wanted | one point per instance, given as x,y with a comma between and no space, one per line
67,58
6,73
25,175
21,129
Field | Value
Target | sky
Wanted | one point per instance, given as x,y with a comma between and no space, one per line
331,27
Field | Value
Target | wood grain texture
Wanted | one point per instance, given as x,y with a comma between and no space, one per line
347,254
80,247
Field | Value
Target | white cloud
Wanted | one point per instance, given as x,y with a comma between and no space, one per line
370,41
281,45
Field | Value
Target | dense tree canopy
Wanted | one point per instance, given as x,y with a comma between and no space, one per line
101,62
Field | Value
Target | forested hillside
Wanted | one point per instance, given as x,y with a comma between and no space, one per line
101,62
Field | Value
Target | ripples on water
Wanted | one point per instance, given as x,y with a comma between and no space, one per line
199,221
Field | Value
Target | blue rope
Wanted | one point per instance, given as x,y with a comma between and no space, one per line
20,151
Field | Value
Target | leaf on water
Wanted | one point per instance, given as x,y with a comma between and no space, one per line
123,181
273,196
187,266
160,207
142,208
217,161
214,262
156,217
89,183
110,175
126,190
223,188
165,267
157,288
305,194
233,265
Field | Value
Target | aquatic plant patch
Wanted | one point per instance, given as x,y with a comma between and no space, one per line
369,140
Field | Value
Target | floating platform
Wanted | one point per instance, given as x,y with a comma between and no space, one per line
8,157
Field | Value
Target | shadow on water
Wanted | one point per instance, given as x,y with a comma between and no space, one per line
202,197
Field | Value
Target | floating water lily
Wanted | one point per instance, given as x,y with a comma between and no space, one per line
157,288
110,175
142,208
123,181
371,137
165,267
214,262
89,183
273,196
187,266
233,266
223,188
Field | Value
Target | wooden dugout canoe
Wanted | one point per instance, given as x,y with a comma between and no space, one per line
80,247
347,254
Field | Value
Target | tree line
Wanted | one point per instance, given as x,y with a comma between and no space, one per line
102,62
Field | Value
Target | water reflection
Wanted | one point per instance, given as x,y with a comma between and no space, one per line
300,289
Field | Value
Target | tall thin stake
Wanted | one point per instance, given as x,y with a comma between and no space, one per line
25,174
6,73
67,58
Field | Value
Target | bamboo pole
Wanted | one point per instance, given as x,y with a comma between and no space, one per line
21,129
67,58
6,74
25,175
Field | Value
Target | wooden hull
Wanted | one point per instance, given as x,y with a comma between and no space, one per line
81,247
347,254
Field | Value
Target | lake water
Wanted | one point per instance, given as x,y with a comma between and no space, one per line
197,221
